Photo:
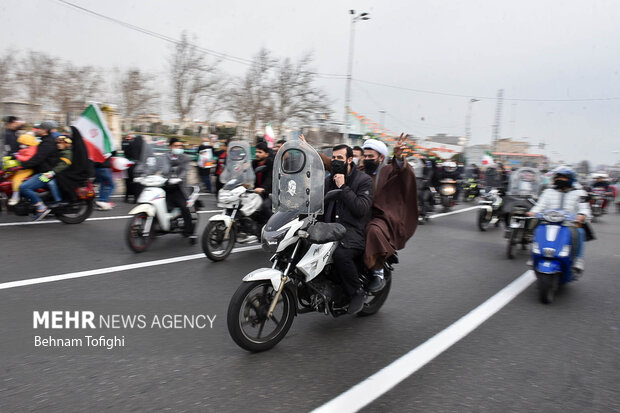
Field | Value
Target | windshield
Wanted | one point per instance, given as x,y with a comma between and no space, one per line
298,179
238,164
524,182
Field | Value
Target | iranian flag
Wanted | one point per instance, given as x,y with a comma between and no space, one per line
269,135
487,159
97,136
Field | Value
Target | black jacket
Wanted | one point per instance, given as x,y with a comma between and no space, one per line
45,158
353,209
10,142
264,176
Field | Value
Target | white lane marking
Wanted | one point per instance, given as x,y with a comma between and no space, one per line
99,271
55,221
445,214
385,379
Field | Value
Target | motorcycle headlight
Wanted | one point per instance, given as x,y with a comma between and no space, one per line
565,251
535,248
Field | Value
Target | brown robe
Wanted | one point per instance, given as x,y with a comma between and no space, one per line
395,214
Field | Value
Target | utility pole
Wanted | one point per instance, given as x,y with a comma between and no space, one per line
347,94
468,121
498,118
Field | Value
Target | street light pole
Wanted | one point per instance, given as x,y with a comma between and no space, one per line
468,121
347,95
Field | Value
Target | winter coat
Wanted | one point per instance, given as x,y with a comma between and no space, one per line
353,209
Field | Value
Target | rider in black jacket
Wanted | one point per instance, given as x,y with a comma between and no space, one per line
353,211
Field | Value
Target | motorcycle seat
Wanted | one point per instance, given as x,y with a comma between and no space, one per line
322,232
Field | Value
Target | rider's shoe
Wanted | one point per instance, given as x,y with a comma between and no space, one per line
41,214
13,201
244,239
103,206
578,265
376,284
193,239
378,281
357,302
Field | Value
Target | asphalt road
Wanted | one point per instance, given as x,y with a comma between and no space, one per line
526,357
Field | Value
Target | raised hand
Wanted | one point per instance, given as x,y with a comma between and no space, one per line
400,146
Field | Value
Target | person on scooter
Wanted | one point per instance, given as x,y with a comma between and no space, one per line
394,206
175,165
601,182
566,197
43,161
353,210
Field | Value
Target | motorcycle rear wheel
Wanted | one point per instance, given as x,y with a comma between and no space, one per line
213,239
247,316
76,212
376,301
134,234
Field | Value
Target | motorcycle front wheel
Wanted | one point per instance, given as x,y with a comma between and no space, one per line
215,244
247,319
548,284
512,242
483,222
136,240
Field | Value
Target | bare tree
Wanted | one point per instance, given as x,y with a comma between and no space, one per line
36,75
192,77
295,98
250,97
136,92
75,85
7,87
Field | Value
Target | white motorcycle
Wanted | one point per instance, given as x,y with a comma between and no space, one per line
151,216
235,223
302,278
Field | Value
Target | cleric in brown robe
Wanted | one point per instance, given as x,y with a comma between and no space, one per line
395,202
394,207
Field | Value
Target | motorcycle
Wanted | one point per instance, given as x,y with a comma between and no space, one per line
301,278
236,221
598,197
72,212
552,252
523,190
426,200
447,192
152,216
490,204
471,189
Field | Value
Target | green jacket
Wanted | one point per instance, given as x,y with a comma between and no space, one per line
64,160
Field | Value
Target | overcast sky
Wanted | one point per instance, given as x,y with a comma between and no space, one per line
536,50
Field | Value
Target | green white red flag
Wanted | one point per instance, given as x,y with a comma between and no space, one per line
487,159
269,135
97,136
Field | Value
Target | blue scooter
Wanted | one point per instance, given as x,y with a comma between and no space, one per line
552,252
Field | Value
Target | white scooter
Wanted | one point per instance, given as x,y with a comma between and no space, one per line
235,222
151,216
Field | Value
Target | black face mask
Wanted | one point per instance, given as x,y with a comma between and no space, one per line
370,166
339,167
561,184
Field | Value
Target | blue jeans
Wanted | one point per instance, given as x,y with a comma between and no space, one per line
104,177
28,188
53,186
581,237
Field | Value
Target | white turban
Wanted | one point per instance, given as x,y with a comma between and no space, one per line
376,145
